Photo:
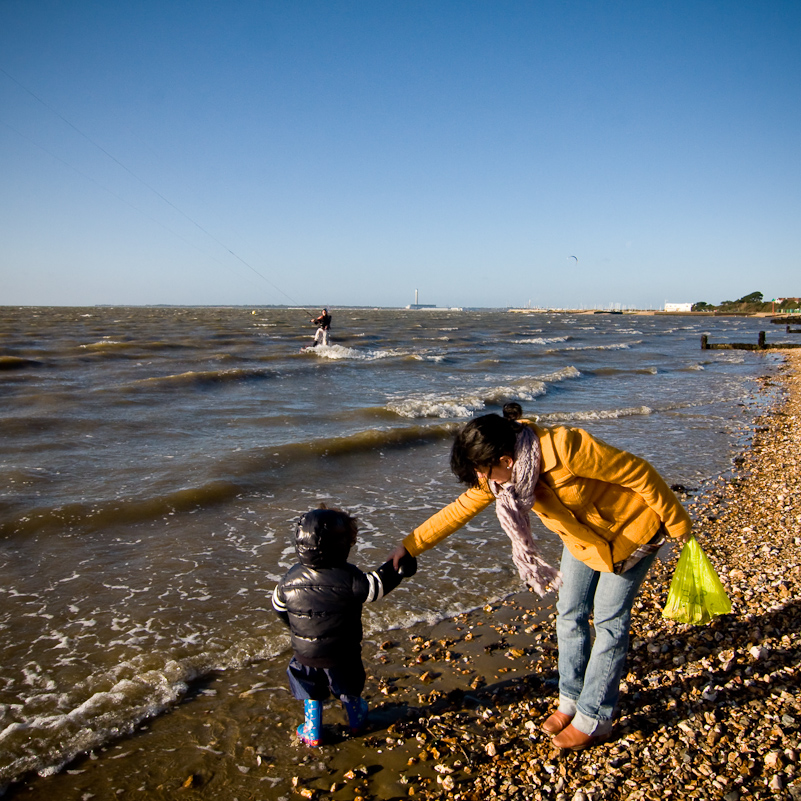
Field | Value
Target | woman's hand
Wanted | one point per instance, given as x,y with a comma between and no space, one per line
397,555
683,539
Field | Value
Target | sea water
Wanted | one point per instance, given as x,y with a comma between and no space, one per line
154,462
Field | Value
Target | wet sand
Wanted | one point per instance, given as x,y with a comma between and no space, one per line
706,712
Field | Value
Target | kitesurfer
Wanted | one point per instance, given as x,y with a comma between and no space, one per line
324,325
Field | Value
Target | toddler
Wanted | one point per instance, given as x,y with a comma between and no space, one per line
320,599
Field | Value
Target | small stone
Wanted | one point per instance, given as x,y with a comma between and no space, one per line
776,783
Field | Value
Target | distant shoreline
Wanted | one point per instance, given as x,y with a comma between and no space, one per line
449,309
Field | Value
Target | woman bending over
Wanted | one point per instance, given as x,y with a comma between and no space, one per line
612,511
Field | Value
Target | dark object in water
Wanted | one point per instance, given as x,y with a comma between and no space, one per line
760,345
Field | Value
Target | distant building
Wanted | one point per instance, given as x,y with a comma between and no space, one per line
417,305
678,307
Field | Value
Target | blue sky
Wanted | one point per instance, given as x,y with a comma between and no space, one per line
348,153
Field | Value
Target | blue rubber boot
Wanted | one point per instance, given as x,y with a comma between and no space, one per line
356,708
311,731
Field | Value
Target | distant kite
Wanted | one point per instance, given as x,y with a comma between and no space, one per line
574,257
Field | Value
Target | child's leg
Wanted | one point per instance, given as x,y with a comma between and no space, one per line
347,682
311,730
309,685
357,708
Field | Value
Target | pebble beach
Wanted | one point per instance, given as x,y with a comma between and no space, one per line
706,712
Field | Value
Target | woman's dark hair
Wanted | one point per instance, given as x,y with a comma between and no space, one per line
512,411
480,444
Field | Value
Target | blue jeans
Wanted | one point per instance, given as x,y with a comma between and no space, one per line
590,672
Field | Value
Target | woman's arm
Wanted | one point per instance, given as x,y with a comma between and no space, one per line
444,522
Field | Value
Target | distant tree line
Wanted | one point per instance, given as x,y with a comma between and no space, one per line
750,303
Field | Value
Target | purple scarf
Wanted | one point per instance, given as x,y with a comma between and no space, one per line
513,503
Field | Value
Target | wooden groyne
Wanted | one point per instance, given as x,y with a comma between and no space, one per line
761,344
788,322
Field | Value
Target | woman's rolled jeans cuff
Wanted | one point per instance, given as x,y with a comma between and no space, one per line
567,706
582,722
591,726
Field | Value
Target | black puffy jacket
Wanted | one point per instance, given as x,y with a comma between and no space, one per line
321,598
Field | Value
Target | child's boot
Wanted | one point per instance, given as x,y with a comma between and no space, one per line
356,707
311,730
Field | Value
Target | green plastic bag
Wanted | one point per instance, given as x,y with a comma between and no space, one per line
696,594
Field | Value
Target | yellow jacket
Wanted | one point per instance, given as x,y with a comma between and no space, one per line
602,502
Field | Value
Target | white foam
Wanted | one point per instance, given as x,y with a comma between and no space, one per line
613,346
101,715
432,406
541,340
522,391
337,352
596,414
463,405
103,343
560,375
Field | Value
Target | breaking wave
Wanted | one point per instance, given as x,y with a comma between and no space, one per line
466,403
594,414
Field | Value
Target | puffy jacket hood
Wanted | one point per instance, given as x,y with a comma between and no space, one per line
324,537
